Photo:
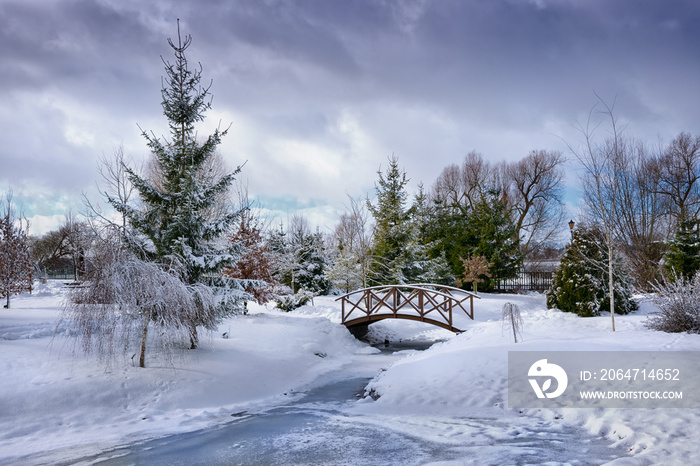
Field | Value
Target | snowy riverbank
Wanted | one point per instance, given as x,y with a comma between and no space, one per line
54,404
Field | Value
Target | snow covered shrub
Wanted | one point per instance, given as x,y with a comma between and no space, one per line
292,301
679,304
124,297
580,284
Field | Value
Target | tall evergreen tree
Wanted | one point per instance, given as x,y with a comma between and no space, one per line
484,230
179,214
391,224
416,262
493,235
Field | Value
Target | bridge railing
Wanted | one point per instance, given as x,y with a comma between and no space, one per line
425,302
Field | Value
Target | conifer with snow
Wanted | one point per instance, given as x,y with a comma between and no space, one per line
391,229
303,259
580,284
178,212
683,257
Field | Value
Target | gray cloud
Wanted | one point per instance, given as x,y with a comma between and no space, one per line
321,92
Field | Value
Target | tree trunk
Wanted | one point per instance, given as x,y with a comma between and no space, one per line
194,338
142,358
610,284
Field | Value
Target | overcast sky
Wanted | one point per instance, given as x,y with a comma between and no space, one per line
320,93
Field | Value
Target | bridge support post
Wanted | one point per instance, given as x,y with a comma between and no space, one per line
359,331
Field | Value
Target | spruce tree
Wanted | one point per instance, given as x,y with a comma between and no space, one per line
492,234
303,261
485,229
391,230
580,284
416,262
179,213
683,258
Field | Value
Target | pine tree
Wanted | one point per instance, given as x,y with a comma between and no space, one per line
179,215
391,232
484,229
15,261
495,237
416,263
683,257
303,258
580,284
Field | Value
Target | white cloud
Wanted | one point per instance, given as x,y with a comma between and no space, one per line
39,225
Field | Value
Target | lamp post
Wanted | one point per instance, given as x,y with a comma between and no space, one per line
571,228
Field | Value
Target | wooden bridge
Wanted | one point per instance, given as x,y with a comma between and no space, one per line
423,302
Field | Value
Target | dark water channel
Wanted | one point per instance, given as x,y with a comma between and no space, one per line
319,429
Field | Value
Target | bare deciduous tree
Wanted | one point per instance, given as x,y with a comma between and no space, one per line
126,296
535,193
641,218
463,187
257,264
677,173
602,163
15,262
511,318
353,244
114,184
532,189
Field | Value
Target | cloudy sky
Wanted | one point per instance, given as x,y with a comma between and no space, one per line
320,92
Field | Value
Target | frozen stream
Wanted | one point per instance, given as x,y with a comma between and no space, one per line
319,427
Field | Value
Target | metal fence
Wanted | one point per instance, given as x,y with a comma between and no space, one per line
62,274
525,281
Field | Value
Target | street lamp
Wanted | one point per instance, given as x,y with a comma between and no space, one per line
571,227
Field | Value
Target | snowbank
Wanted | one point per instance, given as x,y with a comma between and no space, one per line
467,376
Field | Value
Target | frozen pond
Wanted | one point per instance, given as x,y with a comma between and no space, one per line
319,428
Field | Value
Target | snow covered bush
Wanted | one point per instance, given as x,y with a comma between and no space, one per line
679,304
580,284
289,302
125,296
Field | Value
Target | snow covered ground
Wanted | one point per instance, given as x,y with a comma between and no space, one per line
56,404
